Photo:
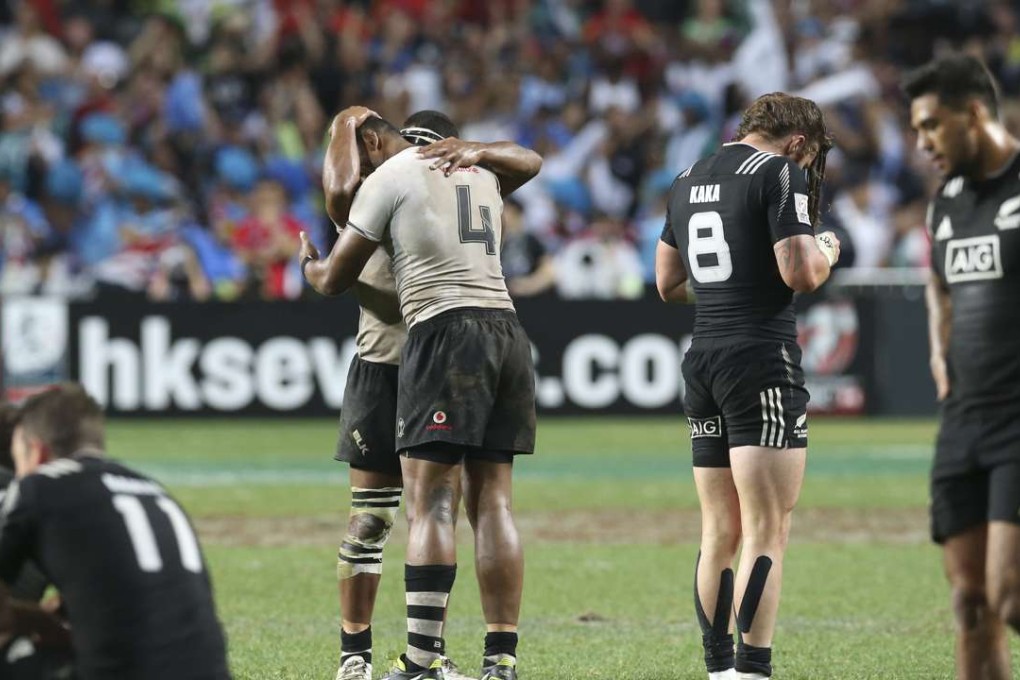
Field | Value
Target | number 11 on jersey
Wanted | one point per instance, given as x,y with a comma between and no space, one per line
705,236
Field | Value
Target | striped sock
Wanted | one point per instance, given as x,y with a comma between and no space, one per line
428,590
356,644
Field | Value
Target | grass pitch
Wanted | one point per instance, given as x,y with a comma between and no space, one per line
608,512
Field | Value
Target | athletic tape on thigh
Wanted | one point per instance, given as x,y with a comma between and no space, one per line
753,593
373,512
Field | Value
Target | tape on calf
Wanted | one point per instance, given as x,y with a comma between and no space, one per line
715,636
373,512
753,592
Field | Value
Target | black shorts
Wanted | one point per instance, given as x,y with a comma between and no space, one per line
743,394
467,378
975,477
367,418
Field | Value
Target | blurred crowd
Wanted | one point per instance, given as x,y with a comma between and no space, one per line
172,149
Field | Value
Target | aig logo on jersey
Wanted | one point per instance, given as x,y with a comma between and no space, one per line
973,259
705,427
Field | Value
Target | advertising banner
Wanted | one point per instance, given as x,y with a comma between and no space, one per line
591,357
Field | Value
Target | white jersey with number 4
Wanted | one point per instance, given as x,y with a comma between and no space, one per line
442,234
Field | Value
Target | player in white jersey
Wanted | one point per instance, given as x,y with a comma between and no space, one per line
466,385
368,415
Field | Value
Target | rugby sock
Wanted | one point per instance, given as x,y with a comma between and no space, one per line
753,663
356,644
729,674
428,591
715,636
498,645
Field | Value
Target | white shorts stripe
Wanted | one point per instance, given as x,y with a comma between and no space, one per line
766,421
780,418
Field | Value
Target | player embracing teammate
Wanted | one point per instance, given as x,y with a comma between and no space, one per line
465,396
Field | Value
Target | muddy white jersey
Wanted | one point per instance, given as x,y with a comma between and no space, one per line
381,329
441,233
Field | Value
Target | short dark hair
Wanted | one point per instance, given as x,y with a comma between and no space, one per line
418,126
9,415
380,126
65,418
954,79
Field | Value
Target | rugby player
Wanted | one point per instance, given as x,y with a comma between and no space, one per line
119,549
367,437
974,331
741,225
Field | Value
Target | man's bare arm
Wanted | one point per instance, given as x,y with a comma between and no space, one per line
940,309
341,268
341,168
802,264
670,274
512,163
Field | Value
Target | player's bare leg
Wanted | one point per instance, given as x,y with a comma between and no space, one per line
358,591
499,561
375,499
432,490
1003,572
768,484
720,538
982,651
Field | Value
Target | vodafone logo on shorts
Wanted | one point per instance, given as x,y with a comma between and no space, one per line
439,422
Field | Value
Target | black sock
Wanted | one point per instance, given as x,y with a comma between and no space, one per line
718,651
498,644
427,592
356,644
751,659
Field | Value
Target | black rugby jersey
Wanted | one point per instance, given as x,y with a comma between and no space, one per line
128,567
725,214
975,253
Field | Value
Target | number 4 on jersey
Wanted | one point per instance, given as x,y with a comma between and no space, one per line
468,234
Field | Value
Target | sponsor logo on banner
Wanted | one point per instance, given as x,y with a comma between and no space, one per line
973,259
601,357
158,372
35,339
829,336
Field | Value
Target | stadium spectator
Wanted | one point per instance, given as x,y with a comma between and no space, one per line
267,241
602,265
527,264
610,92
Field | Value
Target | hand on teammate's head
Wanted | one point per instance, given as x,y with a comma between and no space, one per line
355,114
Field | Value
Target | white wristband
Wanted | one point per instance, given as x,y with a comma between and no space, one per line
827,247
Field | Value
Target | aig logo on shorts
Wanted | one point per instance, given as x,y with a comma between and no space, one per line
973,259
705,427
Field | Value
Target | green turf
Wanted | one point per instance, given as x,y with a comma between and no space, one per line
851,608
